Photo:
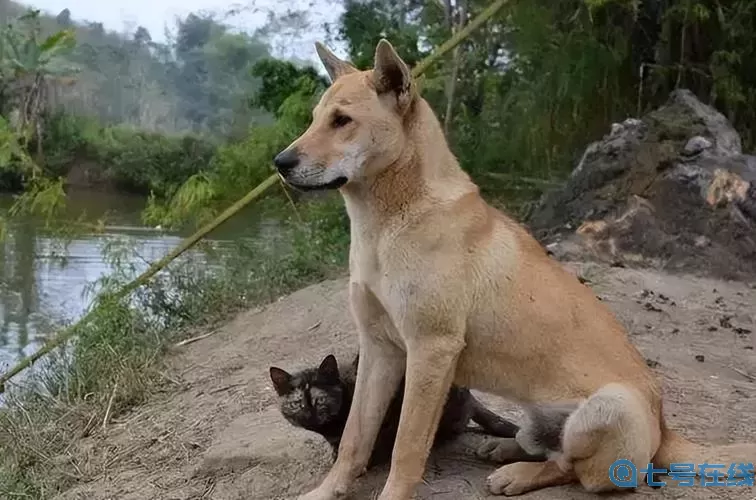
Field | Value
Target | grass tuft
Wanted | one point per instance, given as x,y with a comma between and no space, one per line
118,360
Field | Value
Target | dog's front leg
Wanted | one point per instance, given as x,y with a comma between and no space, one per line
380,369
431,365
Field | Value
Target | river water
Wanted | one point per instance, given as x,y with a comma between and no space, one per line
38,288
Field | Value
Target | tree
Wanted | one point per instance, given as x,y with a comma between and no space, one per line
456,15
281,79
31,62
364,23
142,36
64,18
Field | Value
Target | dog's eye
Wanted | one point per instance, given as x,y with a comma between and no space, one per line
340,120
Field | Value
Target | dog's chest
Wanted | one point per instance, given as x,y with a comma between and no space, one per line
375,293
375,312
365,263
383,274
377,271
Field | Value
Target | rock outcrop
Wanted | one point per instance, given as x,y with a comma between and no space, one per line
672,190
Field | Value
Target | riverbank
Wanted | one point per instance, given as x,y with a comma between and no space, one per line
90,155
212,431
118,359
46,278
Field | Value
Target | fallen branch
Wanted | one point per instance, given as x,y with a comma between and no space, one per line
194,339
524,180
189,242
743,373
109,408
227,387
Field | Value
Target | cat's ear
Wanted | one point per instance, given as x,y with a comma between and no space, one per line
281,380
329,368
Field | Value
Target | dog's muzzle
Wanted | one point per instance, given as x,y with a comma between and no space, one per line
286,161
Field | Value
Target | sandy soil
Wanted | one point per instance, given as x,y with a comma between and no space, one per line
214,433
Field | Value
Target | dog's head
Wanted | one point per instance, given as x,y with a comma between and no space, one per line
357,128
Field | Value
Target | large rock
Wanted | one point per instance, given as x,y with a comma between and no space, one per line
671,190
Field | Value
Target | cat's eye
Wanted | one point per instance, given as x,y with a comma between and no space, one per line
339,120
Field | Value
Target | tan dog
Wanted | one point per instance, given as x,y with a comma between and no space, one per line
445,288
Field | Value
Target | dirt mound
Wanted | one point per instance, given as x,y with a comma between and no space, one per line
672,190
215,432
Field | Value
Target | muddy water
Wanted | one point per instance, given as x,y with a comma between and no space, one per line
38,288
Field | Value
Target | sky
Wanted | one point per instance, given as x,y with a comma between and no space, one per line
156,14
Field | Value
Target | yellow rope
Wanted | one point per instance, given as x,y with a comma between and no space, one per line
192,240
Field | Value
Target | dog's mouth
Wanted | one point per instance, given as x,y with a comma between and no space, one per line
334,184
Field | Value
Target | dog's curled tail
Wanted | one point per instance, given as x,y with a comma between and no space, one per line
676,449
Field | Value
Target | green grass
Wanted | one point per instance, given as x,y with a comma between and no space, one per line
118,360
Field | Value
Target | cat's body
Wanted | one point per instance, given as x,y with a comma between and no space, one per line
318,399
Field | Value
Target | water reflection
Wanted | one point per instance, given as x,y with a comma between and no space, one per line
38,288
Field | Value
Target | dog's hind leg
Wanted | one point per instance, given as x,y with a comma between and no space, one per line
617,422
379,373
614,423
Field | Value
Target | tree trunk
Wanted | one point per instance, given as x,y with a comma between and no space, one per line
451,85
450,89
35,116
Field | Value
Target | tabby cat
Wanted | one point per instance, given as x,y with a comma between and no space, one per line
318,399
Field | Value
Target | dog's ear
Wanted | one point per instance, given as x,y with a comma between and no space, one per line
329,368
334,66
392,75
281,380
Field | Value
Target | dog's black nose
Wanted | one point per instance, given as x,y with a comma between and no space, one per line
286,160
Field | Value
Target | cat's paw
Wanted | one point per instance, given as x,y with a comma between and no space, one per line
499,450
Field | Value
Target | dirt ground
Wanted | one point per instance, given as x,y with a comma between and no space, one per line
215,432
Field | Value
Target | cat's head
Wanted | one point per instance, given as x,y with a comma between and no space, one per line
312,398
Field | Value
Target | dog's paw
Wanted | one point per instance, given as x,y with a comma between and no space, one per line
510,480
315,495
320,494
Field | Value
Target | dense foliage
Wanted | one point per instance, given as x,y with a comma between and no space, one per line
519,99
522,97
533,87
